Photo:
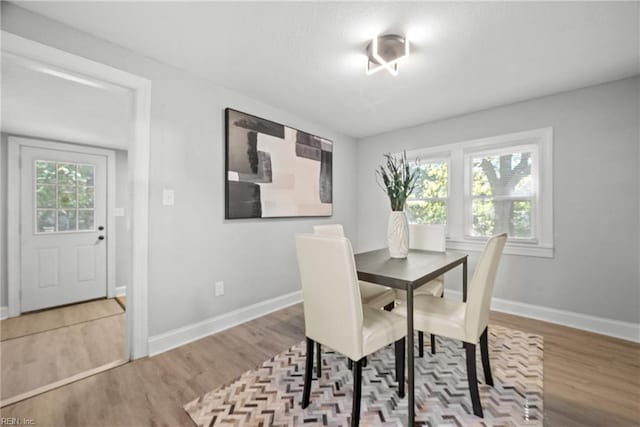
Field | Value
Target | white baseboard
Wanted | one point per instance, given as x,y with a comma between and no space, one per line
4,312
121,291
186,334
600,325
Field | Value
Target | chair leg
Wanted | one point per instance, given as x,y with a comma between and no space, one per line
318,360
433,344
420,343
486,364
308,374
389,306
472,378
400,344
364,362
357,392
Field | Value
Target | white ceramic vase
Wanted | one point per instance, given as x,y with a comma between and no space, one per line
398,235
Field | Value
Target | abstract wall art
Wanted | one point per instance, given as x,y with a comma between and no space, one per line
274,171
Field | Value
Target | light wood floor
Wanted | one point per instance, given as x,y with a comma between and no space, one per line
46,320
589,380
36,360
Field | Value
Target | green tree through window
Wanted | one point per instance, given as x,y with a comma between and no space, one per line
428,202
502,194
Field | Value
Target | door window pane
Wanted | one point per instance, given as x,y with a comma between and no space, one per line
66,173
66,220
85,175
46,221
85,219
85,197
45,172
45,196
64,196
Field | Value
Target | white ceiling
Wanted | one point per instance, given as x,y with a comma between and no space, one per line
48,102
308,57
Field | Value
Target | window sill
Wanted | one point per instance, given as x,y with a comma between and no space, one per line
521,249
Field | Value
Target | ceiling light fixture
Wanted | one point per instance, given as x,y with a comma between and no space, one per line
385,52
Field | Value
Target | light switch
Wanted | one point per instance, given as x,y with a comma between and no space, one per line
167,197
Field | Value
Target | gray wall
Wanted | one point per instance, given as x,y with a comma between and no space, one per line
191,245
596,196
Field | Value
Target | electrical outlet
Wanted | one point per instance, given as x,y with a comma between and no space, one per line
219,289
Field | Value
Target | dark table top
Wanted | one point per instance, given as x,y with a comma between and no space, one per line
417,269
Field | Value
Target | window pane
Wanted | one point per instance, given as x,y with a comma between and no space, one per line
85,197
46,196
85,175
67,173
66,197
427,212
45,172
46,221
67,220
511,216
521,219
484,220
432,181
85,220
503,175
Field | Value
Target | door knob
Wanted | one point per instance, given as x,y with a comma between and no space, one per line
101,227
100,237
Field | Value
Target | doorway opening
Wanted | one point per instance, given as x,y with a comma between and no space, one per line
76,217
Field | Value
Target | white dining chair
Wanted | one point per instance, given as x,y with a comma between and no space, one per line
426,237
372,294
465,321
377,296
334,315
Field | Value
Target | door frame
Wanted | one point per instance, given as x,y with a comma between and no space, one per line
14,190
138,181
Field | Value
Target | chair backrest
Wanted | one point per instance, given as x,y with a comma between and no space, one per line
329,230
480,289
427,237
330,291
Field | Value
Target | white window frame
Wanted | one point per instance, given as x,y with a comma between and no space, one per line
459,176
57,208
436,159
535,197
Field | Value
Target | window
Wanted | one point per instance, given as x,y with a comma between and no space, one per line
502,189
428,202
64,195
483,187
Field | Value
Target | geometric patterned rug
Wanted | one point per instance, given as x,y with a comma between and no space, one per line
270,395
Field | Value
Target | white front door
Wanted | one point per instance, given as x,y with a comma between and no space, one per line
63,213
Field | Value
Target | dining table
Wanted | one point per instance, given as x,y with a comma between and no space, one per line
408,274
